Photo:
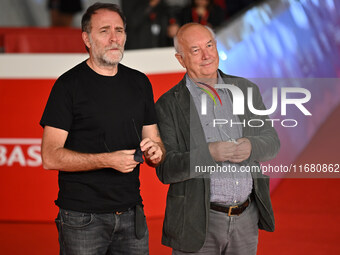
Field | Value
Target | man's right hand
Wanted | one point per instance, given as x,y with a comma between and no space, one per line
56,157
122,161
222,151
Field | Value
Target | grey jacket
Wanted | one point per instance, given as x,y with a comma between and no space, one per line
188,200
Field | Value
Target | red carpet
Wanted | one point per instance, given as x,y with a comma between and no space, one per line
307,212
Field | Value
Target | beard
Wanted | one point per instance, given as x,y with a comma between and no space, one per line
105,56
108,58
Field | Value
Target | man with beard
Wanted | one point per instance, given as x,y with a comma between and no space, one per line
98,121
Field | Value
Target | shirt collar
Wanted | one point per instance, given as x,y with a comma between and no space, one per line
194,89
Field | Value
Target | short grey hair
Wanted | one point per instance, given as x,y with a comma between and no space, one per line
177,44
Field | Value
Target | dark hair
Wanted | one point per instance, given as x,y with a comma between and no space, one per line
86,19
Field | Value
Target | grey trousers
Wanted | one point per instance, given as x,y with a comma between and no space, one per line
234,235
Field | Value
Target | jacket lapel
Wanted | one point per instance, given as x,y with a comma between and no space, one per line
182,96
192,123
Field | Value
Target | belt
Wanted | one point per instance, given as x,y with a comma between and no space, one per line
122,211
231,210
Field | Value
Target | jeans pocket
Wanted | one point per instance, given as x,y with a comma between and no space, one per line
75,219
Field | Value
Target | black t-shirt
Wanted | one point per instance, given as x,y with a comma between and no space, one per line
98,112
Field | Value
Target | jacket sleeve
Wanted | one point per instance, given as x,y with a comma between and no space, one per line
181,158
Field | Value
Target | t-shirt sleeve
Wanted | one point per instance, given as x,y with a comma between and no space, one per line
58,110
150,112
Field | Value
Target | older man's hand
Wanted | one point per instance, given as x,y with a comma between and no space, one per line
242,151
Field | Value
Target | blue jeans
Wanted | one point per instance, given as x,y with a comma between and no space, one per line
101,234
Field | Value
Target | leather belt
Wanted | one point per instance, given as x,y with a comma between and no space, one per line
122,211
231,210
